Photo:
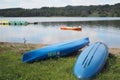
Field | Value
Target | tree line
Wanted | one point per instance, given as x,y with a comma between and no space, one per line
81,11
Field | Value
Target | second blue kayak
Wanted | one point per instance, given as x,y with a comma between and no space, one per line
91,61
59,49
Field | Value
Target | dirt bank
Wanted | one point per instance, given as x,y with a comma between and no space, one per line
24,47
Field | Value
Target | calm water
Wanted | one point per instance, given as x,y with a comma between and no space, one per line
48,31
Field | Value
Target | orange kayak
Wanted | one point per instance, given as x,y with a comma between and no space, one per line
70,28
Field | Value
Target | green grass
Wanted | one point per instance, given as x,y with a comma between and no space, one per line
12,68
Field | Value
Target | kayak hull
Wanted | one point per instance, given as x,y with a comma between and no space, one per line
91,61
59,49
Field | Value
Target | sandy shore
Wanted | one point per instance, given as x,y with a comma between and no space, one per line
115,51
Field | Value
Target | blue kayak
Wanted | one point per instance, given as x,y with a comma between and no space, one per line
91,61
59,49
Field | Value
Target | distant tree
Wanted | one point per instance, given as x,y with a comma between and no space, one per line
83,11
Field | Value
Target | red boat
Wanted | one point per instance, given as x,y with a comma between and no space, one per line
70,28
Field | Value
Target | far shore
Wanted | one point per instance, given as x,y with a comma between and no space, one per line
115,51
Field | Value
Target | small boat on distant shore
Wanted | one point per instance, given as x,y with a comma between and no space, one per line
4,22
70,28
7,22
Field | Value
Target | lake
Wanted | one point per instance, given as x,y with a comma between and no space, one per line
103,29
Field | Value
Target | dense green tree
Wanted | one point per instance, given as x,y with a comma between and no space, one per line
81,11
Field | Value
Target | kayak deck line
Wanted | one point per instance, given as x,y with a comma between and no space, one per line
88,60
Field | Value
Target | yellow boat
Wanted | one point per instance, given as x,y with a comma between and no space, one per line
4,22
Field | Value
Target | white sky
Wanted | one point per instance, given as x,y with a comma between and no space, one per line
52,3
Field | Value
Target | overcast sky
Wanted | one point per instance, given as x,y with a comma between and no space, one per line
52,3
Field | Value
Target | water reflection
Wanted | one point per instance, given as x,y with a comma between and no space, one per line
114,23
49,32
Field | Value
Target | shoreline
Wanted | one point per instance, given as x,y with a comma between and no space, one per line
29,46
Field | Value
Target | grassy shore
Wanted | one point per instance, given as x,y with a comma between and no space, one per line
12,68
